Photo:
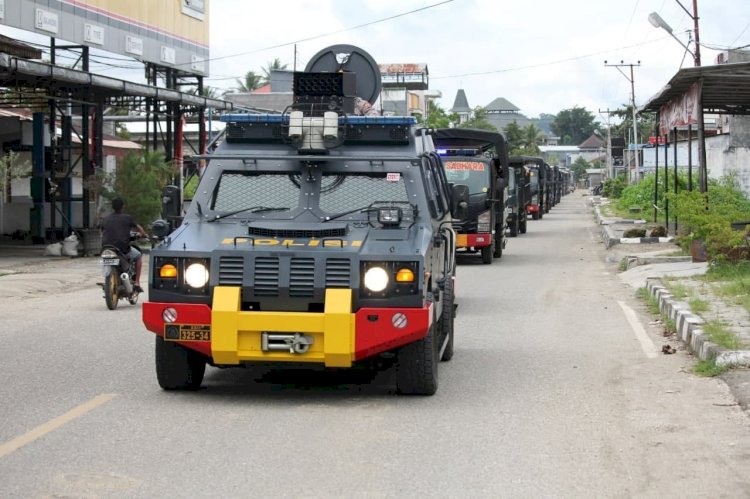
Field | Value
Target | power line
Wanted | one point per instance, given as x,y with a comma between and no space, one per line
534,66
330,33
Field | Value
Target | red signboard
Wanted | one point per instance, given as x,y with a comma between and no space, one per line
680,111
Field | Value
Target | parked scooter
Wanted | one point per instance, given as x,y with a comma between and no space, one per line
119,275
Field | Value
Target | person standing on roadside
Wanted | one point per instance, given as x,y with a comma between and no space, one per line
116,229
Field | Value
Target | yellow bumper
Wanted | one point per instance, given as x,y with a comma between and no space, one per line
236,335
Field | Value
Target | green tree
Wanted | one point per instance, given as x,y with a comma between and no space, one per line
532,139
437,117
270,66
479,121
645,123
250,82
513,137
579,167
140,180
574,125
10,168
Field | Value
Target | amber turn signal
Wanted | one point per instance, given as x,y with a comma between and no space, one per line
168,270
405,275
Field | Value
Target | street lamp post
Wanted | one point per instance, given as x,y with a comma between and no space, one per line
656,21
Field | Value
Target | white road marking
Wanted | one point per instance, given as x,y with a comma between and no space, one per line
49,426
646,344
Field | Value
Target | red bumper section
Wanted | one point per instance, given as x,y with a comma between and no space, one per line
473,240
376,330
533,208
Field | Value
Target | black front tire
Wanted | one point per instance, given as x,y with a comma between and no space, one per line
514,226
522,226
178,368
499,243
111,288
417,366
535,216
445,326
487,254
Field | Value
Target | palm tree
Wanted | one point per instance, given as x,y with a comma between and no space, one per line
275,64
532,137
251,82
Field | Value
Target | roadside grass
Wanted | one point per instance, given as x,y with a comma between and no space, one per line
670,327
623,266
708,369
678,289
651,302
611,210
698,305
732,281
719,333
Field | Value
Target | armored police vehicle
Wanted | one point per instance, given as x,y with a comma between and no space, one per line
478,159
316,236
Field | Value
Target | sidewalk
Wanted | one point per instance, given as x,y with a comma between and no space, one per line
652,269
25,271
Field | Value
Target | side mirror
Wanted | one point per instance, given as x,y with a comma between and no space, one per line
160,229
459,201
170,202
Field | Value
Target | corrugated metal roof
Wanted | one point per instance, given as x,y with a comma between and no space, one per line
726,88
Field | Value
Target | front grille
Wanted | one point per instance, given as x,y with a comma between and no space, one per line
266,276
296,233
338,273
302,277
231,270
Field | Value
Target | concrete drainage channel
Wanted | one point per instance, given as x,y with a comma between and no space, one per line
614,228
690,330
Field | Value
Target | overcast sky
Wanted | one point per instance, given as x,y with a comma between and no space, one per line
542,55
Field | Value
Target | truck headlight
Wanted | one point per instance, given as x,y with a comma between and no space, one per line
196,275
376,279
483,221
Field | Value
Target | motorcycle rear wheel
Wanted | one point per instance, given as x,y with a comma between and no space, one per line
111,285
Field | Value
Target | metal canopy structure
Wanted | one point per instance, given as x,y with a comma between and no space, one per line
725,88
57,95
82,86
692,92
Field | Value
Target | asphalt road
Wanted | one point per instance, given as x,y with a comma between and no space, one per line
552,392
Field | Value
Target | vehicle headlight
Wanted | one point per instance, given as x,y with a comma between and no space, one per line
376,279
196,275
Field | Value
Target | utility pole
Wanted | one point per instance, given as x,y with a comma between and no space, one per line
610,166
631,79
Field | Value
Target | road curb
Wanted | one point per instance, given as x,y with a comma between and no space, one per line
610,239
690,329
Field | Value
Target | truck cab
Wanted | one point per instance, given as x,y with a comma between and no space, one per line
478,159
519,196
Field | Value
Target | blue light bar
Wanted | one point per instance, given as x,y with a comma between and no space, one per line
255,118
276,119
377,120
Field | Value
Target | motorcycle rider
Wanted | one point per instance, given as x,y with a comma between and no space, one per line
116,229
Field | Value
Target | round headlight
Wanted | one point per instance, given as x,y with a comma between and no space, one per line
376,279
196,275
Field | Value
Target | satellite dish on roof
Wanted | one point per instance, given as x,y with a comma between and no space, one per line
350,59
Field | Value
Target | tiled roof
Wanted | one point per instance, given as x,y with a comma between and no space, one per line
461,104
501,104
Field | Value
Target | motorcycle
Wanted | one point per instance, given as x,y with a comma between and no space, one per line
119,275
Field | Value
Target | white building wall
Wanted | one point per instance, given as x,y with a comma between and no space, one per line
722,158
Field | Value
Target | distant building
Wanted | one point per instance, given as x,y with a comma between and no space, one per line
501,113
461,107
405,89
